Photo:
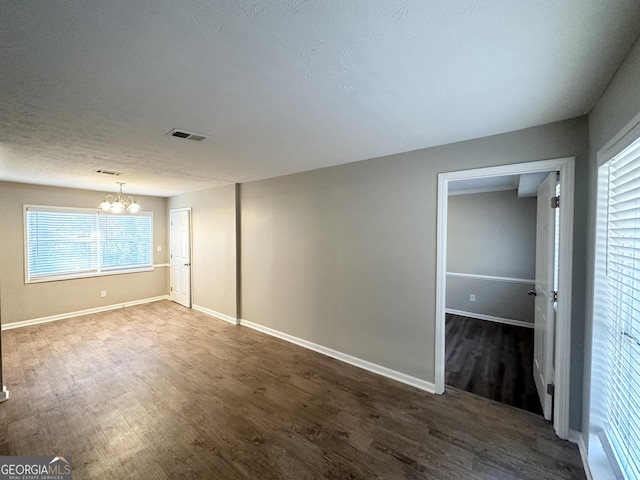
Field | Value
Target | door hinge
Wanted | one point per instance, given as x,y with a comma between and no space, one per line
555,202
171,289
551,388
555,296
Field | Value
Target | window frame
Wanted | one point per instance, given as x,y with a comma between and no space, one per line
602,457
100,271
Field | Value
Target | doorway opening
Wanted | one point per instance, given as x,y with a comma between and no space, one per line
557,396
491,359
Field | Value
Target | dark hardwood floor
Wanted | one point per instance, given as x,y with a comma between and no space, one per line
492,360
158,391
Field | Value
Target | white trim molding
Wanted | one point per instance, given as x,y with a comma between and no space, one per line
63,316
566,167
490,318
218,315
578,438
4,394
343,357
575,436
491,278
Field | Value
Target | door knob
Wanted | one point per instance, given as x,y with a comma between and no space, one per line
532,292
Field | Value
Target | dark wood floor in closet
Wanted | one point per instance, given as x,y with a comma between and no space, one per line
492,360
159,391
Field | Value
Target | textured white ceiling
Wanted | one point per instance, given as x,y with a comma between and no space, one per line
284,86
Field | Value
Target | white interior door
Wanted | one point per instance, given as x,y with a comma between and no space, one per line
543,363
180,270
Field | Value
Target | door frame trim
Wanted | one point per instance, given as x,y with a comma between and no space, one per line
182,209
566,167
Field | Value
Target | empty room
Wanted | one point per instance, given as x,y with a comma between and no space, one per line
236,237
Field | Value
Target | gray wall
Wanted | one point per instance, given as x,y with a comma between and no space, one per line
504,300
22,301
213,226
617,107
346,256
492,234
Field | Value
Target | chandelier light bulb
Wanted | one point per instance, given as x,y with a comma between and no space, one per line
118,203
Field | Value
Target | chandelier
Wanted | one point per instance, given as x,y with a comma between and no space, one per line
118,202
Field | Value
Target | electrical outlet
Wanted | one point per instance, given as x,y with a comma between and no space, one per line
103,293
159,248
472,297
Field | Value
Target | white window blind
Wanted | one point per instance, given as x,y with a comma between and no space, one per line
622,394
65,243
125,241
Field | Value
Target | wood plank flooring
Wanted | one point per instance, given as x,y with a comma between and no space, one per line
158,391
492,360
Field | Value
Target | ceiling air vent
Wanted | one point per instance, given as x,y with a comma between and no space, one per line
187,135
107,172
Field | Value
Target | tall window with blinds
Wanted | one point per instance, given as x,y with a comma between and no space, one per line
619,309
63,243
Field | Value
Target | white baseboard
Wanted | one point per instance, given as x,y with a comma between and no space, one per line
574,436
62,316
4,394
215,314
482,316
577,438
343,357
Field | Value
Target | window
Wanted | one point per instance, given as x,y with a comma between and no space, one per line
615,411
62,243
